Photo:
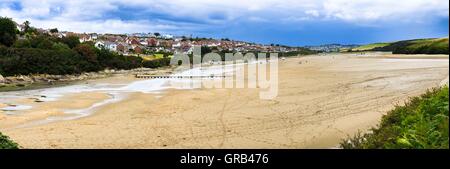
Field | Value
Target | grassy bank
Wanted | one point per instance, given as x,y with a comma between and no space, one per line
422,46
370,47
417,46
422,123
6,143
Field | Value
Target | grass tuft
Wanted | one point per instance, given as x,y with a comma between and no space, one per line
6,143
422,123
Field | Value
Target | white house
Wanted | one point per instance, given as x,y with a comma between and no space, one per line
107,45
167,36
112,46
94,36
99,44
176,45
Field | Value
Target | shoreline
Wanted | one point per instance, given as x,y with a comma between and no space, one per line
320,102
43,81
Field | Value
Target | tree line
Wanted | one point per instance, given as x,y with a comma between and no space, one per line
28,51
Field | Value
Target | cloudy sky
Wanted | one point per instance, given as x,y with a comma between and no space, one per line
290,22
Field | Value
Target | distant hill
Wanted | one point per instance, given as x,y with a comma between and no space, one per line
331,47
416,46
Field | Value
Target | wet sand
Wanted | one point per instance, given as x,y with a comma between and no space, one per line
321,100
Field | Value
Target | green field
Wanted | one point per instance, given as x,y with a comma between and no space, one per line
422,123
424,46
416,46
154,56
370,46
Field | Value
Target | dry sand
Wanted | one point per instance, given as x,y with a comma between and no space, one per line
320,101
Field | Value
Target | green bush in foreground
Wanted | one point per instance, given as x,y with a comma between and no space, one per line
422,123
6,143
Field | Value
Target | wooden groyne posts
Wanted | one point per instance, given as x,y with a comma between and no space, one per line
144,76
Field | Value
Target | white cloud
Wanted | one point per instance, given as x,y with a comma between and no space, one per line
102,26
257,19
89,15
369,10
313,13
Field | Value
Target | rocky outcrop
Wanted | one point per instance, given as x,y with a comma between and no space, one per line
22,80
2,80
45,78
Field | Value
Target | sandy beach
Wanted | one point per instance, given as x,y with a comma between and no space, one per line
321,100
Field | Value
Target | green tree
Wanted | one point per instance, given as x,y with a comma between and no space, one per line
28,30
26,27
60,46
205,50
87,51
54,30
71,41
22,43
45,44
8,31
36,40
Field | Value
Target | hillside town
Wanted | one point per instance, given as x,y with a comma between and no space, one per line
150,43
331,47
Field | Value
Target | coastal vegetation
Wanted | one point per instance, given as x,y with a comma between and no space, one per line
421,46
370,46
29,51
6,143
417,46
302,51
422,123
81,58
7,31
155,63
41,53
